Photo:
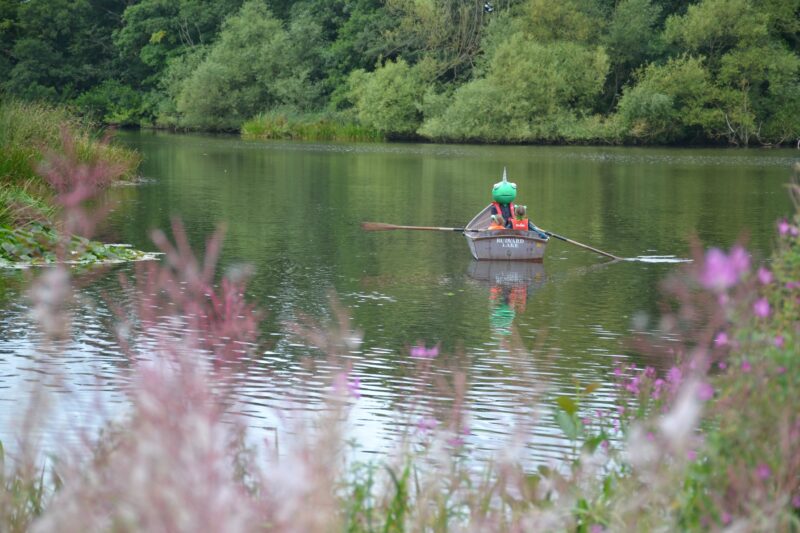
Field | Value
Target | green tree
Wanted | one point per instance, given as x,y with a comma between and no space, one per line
60,47
671,102
633,38
389,99
530,92
254,65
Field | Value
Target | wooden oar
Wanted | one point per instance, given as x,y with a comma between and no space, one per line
380,226
576,243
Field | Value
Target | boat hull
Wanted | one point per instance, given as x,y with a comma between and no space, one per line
502,245
506,245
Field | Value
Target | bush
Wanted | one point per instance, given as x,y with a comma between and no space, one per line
389,99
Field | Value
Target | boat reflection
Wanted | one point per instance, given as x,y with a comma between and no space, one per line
510,283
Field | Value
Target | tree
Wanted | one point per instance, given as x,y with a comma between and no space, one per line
389,99
671,102
531,89
254,65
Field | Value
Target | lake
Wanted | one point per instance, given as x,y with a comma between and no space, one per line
293,210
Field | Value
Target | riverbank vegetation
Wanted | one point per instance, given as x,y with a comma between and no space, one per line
708,442
508,71
33,191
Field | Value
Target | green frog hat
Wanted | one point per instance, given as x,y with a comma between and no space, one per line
504,191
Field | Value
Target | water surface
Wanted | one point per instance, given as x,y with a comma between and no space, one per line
292,211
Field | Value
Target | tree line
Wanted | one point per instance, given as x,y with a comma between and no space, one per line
615,71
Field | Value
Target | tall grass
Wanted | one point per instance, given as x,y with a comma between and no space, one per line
28,132
308,127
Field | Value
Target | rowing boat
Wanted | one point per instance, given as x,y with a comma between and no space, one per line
502,245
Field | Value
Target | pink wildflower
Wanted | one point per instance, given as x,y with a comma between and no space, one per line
783,227
726,518
761,308
422,352
764,276
705,392
633,385
746,367
691,455
596,528
790,285
427,424
674,375
722,271
722,365
796,502
763,471
721,339
778,341
344,384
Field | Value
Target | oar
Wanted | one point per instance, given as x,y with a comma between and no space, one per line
380,226
576,243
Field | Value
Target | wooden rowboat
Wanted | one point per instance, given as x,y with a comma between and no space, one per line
502,245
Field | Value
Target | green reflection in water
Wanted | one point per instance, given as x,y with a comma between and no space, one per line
293,211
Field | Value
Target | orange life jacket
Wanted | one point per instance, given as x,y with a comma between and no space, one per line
496,205
519,223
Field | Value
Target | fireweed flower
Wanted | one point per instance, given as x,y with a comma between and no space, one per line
426,424
705,392
764,276
783,227
721,271
721,339
761,308
778,341
763,471
746,367
422,352
345,385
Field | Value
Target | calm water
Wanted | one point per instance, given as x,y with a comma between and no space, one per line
293,211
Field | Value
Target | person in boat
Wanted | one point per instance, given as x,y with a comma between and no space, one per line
503,209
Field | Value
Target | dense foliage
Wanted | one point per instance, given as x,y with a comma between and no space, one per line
633,71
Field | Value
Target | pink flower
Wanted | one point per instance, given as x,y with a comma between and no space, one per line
746,367
722,365
783,227
426,424
778,341
721,339
705,392
792,285
764,276
691,455
596,528
344,384
763,471
721,271
761,308
421,352
796,502
674,375
726,518
633,385
781,370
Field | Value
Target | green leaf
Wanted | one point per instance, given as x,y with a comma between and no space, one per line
567,404
567,424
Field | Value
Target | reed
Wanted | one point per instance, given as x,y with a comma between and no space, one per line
311,127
